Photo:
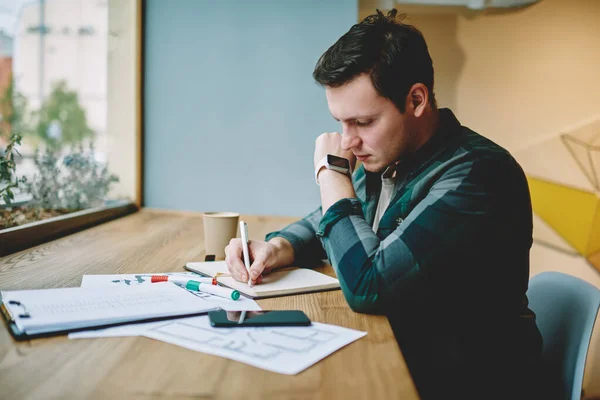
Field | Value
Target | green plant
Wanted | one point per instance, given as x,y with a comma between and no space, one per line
76,182
7,170
45,185
61,120
13,112
88,182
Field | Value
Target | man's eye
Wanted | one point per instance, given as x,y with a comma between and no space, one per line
363,123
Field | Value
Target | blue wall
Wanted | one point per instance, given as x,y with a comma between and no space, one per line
231,110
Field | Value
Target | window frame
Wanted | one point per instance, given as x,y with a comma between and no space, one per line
22,237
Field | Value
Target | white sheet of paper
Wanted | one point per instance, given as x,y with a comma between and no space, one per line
127,279
242,304
117,331
285,350
132,280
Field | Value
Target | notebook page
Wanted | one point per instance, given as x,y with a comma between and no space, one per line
71,308
210,268
279,282
284,281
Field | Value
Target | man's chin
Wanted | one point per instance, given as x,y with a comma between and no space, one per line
372,167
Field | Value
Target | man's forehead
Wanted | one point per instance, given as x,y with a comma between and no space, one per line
361,85
354,100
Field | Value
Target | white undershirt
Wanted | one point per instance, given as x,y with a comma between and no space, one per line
388,185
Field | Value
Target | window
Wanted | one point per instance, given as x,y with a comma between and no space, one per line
70,126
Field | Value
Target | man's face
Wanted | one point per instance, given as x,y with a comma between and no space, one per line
372,127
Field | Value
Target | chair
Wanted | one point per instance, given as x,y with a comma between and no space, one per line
566,308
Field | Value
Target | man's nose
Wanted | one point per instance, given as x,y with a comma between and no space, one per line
349,141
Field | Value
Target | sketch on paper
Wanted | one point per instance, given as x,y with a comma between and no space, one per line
287,350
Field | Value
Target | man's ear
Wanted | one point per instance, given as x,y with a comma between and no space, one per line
418,97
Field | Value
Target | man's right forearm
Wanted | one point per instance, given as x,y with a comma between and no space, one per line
301,246
285,251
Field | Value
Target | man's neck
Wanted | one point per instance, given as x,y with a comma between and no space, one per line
427,128
424,134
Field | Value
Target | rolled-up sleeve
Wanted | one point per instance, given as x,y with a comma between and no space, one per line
308,250
351,245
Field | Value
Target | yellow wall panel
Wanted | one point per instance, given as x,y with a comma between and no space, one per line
569,211
593,245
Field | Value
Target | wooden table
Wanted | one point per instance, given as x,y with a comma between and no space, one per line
141,368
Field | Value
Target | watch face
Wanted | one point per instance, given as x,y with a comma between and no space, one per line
338,161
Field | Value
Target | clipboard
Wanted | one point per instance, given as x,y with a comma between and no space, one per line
26,323
22,336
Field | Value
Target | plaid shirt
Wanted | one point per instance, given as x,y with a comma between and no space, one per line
451,254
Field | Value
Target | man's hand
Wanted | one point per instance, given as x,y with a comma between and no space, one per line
333,185
264,256
331,143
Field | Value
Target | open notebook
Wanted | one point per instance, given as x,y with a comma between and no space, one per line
45,312
281,282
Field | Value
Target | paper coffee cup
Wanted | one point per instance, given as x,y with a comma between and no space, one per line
219,229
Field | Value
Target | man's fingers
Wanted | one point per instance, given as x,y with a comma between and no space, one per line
256,269
233,315
234,260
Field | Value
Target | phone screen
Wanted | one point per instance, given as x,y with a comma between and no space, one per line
232,319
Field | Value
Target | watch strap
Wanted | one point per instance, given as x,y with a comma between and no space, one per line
323,164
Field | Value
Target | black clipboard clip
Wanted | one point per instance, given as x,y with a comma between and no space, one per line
10,319
24,314
8,314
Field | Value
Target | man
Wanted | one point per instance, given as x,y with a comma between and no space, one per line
432,230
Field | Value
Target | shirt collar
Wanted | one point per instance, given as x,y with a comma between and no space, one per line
390,172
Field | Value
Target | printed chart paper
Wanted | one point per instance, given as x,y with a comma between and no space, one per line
286,350
133,280
243,304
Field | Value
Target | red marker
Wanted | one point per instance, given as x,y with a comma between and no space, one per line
180,279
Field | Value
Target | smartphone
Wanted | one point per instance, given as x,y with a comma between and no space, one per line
231,319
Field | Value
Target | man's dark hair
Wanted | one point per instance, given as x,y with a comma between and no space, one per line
393,53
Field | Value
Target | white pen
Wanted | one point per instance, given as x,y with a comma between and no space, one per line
244,235
242,317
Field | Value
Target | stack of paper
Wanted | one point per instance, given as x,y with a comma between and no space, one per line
50,311
285,350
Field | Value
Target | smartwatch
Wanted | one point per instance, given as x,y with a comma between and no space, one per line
335,163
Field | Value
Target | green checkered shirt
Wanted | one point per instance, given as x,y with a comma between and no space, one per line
450,259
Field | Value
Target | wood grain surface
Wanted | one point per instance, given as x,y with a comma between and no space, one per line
141,368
